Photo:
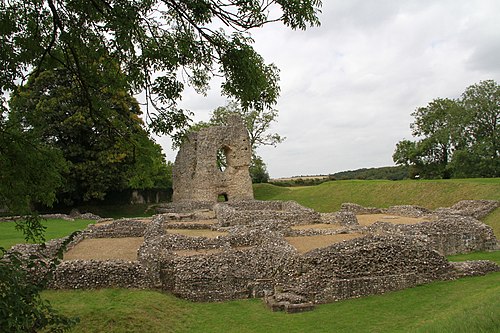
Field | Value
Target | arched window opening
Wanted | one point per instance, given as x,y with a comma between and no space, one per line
222,158
222,197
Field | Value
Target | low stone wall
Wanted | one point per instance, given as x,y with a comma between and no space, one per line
358,209
229,275
116,229
448,235
474,268
474,208
86,216
93,274
246,213
407,210
368,265
254,259
184,206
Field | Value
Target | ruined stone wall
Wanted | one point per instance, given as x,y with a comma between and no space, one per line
447,235
196,175
94,274
250,212
254,259
232,274
474,208
116,229
368,265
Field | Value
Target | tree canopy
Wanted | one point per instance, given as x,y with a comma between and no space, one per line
102,154
161,46
456,138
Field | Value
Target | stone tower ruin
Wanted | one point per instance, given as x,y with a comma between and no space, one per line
196,173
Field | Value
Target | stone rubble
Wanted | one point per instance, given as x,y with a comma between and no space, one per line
253,259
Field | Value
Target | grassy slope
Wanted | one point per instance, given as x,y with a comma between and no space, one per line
432,194
56,228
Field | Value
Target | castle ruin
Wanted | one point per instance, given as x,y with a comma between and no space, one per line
199,175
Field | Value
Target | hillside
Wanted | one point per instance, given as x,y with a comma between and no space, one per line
328,197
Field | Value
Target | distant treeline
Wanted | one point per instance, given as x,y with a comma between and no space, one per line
389,173
386,173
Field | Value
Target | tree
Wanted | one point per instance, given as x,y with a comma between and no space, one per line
457,138
258,170
174,39
102,154
407,154
480,153
147,37
150,170
30,170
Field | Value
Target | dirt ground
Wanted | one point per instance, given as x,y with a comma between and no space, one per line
305,244
316,226
369,219
106,248
202,222
197,232
188,253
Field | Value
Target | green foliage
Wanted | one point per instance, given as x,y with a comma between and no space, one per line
30,170
458,138
258,170
21,307
103,154
148,37
388,173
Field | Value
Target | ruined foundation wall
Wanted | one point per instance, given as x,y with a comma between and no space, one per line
249,212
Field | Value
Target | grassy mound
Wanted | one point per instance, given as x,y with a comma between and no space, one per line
328,197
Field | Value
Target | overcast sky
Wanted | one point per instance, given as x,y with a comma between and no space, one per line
348,87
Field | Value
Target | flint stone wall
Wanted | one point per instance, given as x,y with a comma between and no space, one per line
448,235
94,274
186,206
368,265
251,212
256,260
196,175
475,208
116,229
358,209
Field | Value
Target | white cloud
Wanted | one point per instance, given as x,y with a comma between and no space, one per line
349,86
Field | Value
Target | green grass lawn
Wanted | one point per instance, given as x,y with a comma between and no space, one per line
56,228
